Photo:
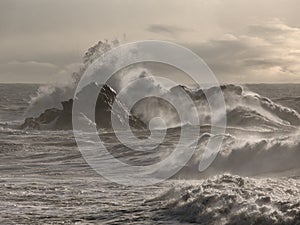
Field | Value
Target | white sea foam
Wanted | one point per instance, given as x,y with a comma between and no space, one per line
229,200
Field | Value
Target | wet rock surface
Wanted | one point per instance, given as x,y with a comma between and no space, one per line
61,119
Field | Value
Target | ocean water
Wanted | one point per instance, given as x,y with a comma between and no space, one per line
255,179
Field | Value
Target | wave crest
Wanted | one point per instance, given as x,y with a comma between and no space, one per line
231,200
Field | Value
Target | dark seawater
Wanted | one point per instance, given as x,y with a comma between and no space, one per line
254,180
14,100
285,94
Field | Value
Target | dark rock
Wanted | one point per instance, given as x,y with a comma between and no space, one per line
61,119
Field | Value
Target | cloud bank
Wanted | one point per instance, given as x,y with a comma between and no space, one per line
266,52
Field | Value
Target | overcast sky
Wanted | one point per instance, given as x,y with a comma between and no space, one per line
241,40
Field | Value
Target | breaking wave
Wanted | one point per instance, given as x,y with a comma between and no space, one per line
246,154
262,135
51,95
231,200
245,109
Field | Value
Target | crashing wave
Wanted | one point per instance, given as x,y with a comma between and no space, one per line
231,200
244,109
249,154
290,102
51,95
61,119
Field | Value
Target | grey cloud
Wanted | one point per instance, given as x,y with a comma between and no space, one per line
27,67
270,29
165,29
56,58
20,71
255,57
59,32
263,63
38,72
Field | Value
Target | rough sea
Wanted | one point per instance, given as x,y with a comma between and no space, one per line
255,179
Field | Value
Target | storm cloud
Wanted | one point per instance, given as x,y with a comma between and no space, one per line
165,29
265,52
241,40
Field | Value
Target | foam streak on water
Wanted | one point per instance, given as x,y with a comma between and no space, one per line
254,179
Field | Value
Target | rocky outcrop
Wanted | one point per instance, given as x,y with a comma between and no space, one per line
61,119
58,119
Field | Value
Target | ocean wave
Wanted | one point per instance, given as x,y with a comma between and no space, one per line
253,155
244,109
291,102
232,200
